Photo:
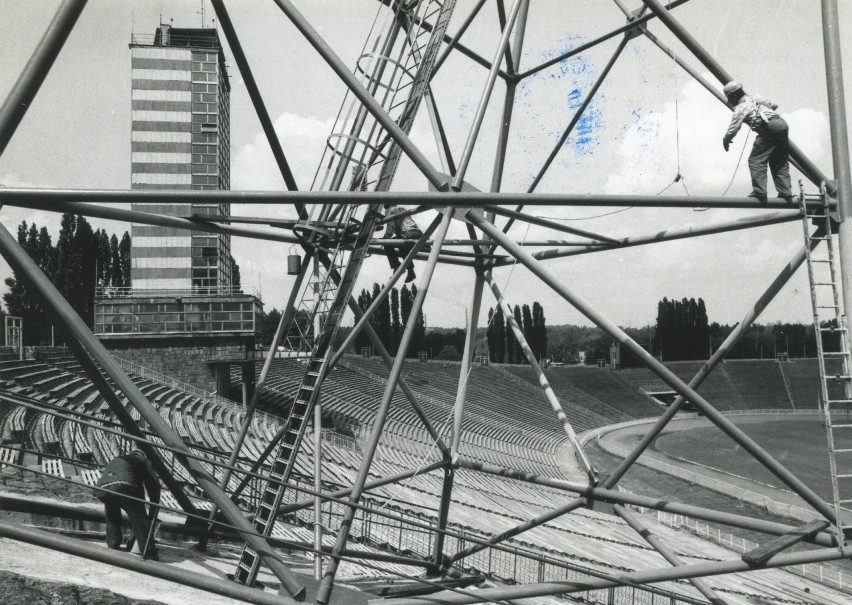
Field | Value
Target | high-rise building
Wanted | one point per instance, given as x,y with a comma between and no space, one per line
183,315
180,137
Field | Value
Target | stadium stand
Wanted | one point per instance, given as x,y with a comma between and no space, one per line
759,383
482,506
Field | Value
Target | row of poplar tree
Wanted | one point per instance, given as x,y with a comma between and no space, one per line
81,260
683,331
391,318
503,347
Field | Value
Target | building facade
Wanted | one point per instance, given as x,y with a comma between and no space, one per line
180,133
182,316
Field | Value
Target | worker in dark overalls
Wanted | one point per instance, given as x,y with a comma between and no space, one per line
129,476
771,147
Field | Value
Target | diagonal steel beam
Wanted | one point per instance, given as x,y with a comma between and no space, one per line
633,521
150,218
126,560
667,376
479,116
808,168
454,41
441,140
362,94
35,71
412,398
458,45
543,222
79,333
578,114
668,235
368,313
255,96
718,356
591,43
615,496
324,593
545,386
669,574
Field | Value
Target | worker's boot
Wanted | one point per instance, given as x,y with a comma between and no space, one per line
410,276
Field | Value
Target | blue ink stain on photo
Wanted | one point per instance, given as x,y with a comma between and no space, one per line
579,77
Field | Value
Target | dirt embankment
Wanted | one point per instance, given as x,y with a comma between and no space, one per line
21,590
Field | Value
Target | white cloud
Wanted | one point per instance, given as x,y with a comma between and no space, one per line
303,140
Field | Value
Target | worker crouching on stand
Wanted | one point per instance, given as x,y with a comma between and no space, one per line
771,147
127,475
403,227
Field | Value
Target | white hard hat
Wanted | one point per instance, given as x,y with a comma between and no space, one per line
732,87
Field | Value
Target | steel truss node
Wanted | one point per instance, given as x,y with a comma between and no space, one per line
335,229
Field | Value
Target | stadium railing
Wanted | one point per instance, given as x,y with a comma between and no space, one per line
526,565
829,576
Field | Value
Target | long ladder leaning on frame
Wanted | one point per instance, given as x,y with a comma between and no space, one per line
835,365
332,298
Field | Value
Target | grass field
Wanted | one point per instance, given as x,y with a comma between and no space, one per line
799,444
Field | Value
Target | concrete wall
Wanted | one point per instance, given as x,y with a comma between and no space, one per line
183,359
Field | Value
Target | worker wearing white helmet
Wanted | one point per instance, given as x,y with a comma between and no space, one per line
771,146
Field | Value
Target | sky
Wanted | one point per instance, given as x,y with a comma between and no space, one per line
648,122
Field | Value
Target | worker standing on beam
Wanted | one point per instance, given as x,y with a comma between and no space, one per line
771,146
127,475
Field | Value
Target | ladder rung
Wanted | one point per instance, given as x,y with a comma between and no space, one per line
827,306
845,450
833,354
832,329
820,260
845,502
824,283
845,476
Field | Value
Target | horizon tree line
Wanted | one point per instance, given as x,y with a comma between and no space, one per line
503,347
81,260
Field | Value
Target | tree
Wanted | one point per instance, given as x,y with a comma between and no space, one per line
64,247
115,278
526,315
449,353
489,337
236,278
539,331
381,318
124,260
19,301
682,329
80,289
102,258
499,336
419,335
268,325
518,355
361,339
